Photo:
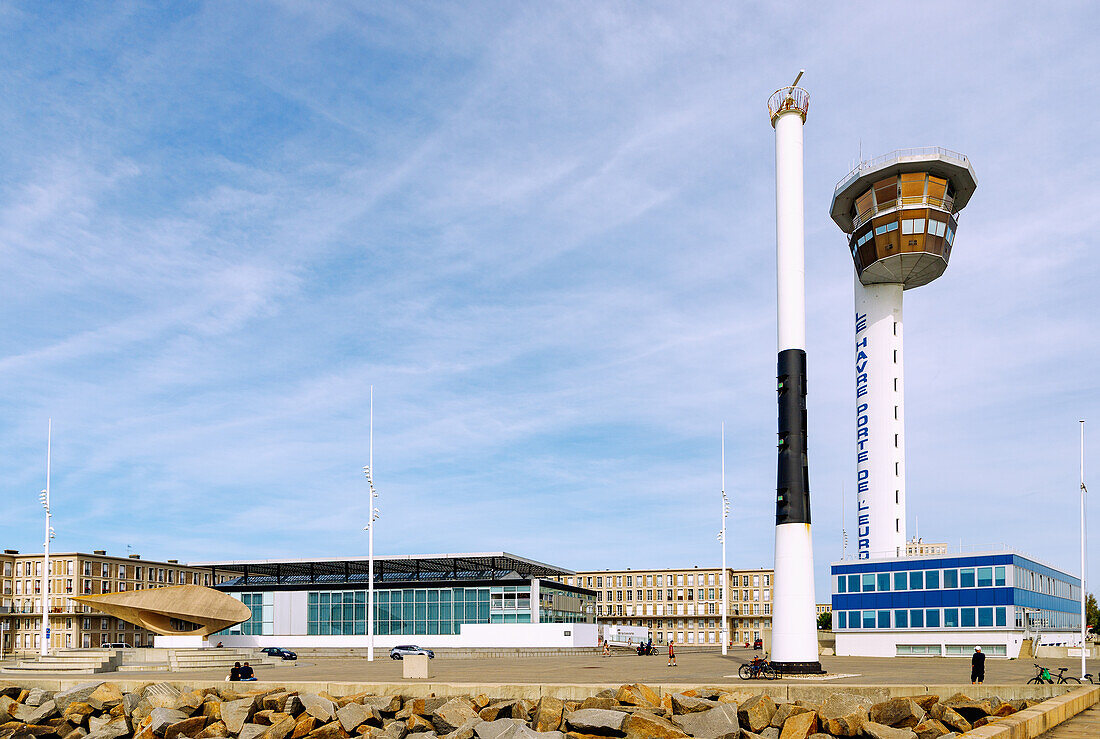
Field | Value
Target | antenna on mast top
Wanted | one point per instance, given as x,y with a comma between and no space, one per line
796,79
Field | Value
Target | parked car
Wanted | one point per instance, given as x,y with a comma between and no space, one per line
279,652
399,652
115,645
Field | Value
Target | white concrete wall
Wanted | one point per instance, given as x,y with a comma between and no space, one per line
472,636
625,635
884,643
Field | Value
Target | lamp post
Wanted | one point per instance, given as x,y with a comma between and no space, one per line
722,538
44,498
1084,626
368,471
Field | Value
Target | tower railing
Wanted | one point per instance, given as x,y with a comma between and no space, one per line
788,99
895,156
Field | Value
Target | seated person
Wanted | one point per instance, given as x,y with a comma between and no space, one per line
235,672
246,673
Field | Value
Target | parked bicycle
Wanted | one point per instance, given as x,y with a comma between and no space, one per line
1042,675
760,667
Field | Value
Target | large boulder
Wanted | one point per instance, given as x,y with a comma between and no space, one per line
213,731
784,711
548,715
188,727
882,731
235,713
76,713
950,718
596,721
596,701
36,697
113,729
353,715
251,731
304,725
682,704
331,730
843,714
466,731
799,726
644,725
638,695
497,709
498,729
161,695
972,710
930,729
717,723
925,701
161,718
417,724
105,696
756,713
453,714
320,708
897,712
34,714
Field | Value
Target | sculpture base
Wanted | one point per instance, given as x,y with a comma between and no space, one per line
798,668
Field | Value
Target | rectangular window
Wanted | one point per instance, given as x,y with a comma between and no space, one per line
985,617
869,583
842,620
884,619
966,577
951,618
883,582
853,619
880,230
916,580
868,619
950,579
841,581
966,617
985,577
901,619
1001,616
900,581
932,618
932,579
907,226
853,583
916,618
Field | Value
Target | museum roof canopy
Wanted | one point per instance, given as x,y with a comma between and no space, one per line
393,569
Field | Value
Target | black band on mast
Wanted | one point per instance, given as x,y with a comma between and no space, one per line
792,500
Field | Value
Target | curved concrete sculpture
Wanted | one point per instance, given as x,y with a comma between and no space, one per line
177,610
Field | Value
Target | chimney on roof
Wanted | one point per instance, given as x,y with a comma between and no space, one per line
99,551
173,561
135,556
11,551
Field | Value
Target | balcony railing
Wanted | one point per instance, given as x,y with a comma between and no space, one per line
898,155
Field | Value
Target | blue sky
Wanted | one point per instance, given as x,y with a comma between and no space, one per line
545,233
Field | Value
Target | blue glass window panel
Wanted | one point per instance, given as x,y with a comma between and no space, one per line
985,577
1001,616
445,612
853,619
916,580
884,619
999,576
932,618
869,583
985,617
444,627
483,611
883,582
916,618
421,596
901,619
966,618
445,596
966,577
932,579
842,620
899,581
950,579
868,619
840,583
951,618
853,583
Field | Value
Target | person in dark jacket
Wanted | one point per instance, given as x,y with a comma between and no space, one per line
247,674
977,667
235,672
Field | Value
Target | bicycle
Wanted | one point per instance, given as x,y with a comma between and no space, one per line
1063,680
758,668
1042,676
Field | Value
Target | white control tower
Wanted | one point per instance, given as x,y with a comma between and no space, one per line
900,212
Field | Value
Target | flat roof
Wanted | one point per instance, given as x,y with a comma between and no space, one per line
393,568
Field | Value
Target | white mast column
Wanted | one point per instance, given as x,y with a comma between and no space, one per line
880,421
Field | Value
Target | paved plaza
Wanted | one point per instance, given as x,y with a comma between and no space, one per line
694,668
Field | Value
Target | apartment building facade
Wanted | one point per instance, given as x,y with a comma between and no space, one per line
683,604
76,573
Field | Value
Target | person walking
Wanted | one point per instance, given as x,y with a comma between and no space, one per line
671,653
606,648
977,667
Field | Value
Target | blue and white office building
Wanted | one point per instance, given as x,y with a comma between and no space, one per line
946,604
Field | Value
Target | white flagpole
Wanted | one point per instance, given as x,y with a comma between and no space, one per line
1084,626
45,497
